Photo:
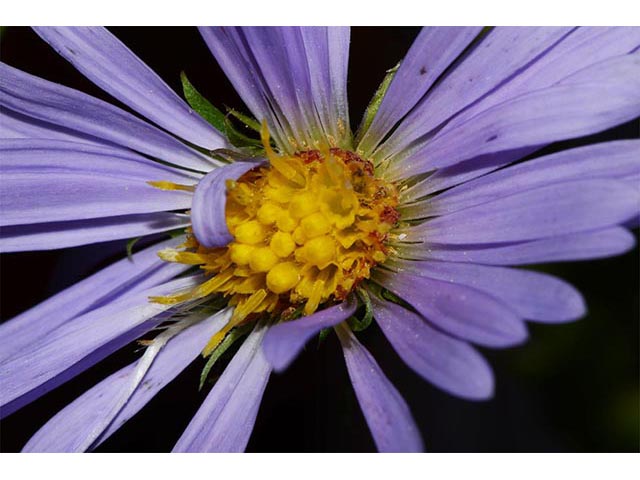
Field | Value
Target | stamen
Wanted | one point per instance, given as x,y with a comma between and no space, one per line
307,229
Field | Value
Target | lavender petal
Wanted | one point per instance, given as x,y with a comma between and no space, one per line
556,209
448,363
283,342
107,62
208,208
49,236
225,420
458,309
66,431
79,344
385,411
49,102
130,275
579,246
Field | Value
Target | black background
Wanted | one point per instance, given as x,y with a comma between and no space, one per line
572,387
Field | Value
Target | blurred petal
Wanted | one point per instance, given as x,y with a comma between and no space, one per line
283,342
457,309
107,62
450,364
67,430
225,420
384,409
208,208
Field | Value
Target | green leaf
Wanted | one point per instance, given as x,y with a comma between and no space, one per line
201,105
357,324
229,340
375,102
130,245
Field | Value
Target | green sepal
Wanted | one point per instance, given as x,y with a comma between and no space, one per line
322,336
357,324
229,340
251,123
238,139
203,106
375,102
130,245
176,233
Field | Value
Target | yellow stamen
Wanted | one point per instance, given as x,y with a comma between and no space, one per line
307,228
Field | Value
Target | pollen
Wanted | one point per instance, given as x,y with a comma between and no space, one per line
307,229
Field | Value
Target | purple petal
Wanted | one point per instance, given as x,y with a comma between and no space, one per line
500,55
327,54
385,411
225,420
432,52
208,208
79,344
50,181
460,310
142,271
557,209
107,62
283,342
582,48
49,236
274,71
462,172
16,125
448,363
605,160
532,295
72,109
70,428
597,98
578,246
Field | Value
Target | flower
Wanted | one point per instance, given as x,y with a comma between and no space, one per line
414,221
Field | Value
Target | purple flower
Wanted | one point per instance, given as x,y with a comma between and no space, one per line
416,220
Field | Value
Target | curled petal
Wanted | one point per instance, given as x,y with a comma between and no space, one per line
208,208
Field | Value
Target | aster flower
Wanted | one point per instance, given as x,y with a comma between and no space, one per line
415,221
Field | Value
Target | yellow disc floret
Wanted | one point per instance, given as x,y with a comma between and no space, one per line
306,228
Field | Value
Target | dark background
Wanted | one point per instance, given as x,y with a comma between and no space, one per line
572,387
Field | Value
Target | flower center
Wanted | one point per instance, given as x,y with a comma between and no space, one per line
307,229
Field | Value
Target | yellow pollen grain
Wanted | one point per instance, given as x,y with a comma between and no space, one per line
268,213
319,251
240,253
282,244
251,232
285,223
283,277
302,205
315,225
262,259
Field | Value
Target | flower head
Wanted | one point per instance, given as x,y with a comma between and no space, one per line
414,220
